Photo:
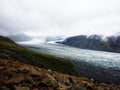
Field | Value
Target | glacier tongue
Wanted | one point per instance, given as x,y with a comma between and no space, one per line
100,58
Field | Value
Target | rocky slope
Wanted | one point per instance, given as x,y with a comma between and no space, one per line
15,75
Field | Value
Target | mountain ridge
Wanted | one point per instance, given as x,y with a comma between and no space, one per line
94,42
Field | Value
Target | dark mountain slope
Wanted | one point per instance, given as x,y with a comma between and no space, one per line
94,42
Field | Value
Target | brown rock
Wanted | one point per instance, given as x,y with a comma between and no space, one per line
35,72
35,89
71,80
42,84
51,78
29,79
89,88
62,87
4,88
16,79
76,87
2,68
21,88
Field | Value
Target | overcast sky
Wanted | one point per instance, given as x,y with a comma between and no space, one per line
59,17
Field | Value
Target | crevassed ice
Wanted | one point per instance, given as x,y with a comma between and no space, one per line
105,59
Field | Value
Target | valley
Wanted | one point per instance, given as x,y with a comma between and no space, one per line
102,66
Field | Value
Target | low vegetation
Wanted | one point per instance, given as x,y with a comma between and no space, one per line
10,50
15,75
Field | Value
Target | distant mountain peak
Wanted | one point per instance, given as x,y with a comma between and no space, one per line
19,37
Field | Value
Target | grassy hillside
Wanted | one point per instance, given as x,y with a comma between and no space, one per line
10,50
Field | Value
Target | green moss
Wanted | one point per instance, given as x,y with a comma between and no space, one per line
10,50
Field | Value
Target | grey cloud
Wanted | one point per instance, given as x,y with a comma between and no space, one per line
59,17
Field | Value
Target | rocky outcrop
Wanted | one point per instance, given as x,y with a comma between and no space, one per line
15,75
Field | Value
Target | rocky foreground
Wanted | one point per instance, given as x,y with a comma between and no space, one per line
15,75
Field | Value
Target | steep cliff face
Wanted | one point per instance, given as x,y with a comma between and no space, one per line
94,42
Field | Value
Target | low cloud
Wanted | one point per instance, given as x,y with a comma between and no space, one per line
59,17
